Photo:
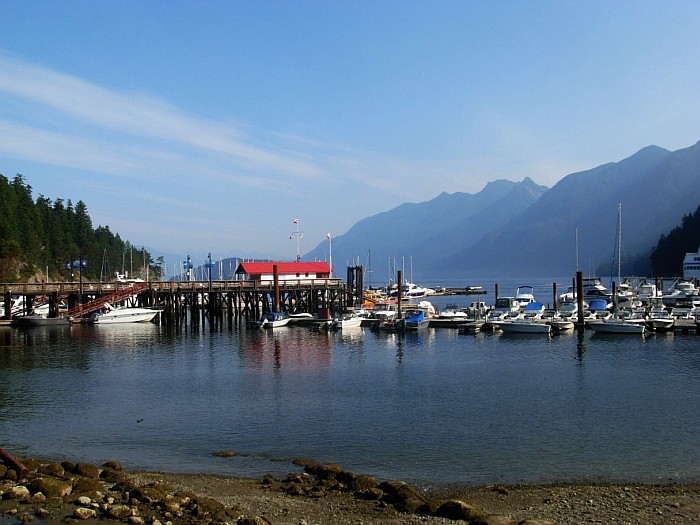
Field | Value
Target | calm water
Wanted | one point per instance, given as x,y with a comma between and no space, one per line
438,407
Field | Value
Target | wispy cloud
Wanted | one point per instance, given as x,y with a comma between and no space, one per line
138,115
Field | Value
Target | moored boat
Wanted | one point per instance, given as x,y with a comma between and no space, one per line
616,326
660,320
117,315
525,326
40,319
416,319
274,320
346,321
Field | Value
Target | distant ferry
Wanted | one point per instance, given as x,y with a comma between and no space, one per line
691,266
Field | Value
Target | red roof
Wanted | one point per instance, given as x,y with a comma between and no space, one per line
293,267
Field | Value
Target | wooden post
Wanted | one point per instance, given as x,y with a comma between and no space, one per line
399,280
496,291
554,295
579,298
276,296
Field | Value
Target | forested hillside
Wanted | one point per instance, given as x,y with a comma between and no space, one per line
667,257
40,237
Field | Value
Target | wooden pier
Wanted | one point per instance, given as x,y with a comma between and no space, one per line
188,301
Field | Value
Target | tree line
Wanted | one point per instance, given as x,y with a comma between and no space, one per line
667,257
55,240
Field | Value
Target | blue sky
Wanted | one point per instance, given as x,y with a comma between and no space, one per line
197,127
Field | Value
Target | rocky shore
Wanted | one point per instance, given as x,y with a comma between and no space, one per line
67,492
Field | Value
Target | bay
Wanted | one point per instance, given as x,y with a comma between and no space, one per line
434,408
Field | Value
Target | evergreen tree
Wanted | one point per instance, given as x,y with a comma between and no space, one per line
48,235
667,257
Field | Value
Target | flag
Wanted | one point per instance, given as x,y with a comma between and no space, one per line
328,236
296,220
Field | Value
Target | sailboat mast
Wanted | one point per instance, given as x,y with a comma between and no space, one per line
619,241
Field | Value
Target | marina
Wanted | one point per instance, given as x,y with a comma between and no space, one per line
432,407
318,300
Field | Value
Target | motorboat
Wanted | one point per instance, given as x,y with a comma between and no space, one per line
524,295
385,311
41,319
412,291
660,320
453,311
561,324
592,289
300,317
415,319
616,326
274,320
525,326
110,314
684,290
347,320
635,315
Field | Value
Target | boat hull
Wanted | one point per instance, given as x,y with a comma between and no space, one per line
350,322
41,320
514,327
616,327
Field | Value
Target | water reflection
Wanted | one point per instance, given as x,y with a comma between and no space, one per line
286,347
436,405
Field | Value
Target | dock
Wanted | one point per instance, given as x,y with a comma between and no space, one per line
189,301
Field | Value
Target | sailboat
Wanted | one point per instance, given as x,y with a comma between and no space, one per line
614,324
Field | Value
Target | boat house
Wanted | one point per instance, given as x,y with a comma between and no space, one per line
286,271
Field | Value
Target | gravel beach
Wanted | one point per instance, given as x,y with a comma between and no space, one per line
52,492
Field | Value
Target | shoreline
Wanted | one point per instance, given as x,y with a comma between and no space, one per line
322,494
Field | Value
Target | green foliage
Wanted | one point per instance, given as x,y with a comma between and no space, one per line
40,236
667,257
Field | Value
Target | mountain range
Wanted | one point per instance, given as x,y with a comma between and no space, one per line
521,229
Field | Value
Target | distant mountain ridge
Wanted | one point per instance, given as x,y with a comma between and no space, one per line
523,229
420,234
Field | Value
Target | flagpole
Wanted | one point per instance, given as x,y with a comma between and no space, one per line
298,235
330,253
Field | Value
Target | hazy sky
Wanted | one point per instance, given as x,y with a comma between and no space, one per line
209,126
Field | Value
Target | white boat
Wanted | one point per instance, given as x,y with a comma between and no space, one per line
525,326
300,317
453,311
616,326
592,289
41,319
560,324
525,295
660,320
129,314
385,311
347,320
412,291
636,315
683,291
274,320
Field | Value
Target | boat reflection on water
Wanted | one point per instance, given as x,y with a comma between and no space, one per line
292,348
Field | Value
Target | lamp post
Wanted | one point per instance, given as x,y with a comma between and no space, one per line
209,257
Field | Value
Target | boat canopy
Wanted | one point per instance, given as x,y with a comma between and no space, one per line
597,304
534,306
